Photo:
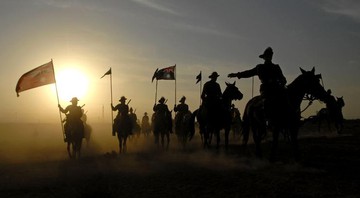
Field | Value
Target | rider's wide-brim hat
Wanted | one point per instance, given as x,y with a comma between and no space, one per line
123,98
267,53
182,99
162,99
214,75
74,99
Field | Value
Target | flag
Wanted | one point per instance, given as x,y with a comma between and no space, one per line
37,77
198,78
107,73
154,76
167,73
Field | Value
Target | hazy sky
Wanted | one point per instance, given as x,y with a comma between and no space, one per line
135,37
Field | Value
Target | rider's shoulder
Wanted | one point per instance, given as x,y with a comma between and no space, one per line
259,66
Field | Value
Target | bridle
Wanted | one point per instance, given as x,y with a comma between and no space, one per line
309,98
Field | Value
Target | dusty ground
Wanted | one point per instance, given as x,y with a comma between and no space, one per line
329,167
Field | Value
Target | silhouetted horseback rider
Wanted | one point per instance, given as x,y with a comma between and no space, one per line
331,99
122,117
73,117
333,107
180,110
211,96
273,82
145,124
162,109
133,118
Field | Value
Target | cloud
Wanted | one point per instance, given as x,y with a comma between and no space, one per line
348,8
55,3
76,4
157,6
206,30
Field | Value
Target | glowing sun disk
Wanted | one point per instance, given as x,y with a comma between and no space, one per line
71,83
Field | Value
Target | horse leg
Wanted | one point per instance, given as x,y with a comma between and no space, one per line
227,132
79,149
205,139
120,144
124,144
68,149
218,139
275,142
74,149
167,141
257,141
156,138
339,126
245,133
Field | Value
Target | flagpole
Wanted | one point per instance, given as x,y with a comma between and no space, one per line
156,90
200,89
175,84
57,96
111,99
252,87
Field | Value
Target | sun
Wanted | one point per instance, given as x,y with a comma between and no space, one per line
71,83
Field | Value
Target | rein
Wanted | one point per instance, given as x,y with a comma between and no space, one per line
310,99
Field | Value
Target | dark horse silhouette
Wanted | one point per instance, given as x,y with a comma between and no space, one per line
74,133
254,119
236,123
332,114
123,127
162,127
184,127
220,119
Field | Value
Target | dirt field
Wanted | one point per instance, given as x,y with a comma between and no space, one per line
34,163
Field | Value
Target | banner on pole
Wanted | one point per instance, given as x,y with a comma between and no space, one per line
37,77
198,78
107,73
167,73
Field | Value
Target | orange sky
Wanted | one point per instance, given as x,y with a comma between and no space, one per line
135,37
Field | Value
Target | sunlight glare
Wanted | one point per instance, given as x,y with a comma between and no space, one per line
71,83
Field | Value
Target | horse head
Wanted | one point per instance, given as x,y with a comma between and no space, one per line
232,92
340,101
310,83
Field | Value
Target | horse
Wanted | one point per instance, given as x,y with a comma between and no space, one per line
74,133
288,121
162,127
211,122
87,128
145,126
236,122
184,127
136,129
123,127
332,114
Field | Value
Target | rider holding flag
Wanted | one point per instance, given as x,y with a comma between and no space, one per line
73,116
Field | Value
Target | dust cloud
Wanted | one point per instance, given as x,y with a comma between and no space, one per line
23,143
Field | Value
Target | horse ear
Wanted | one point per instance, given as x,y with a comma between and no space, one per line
302,70
227,84
234,83
313,70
